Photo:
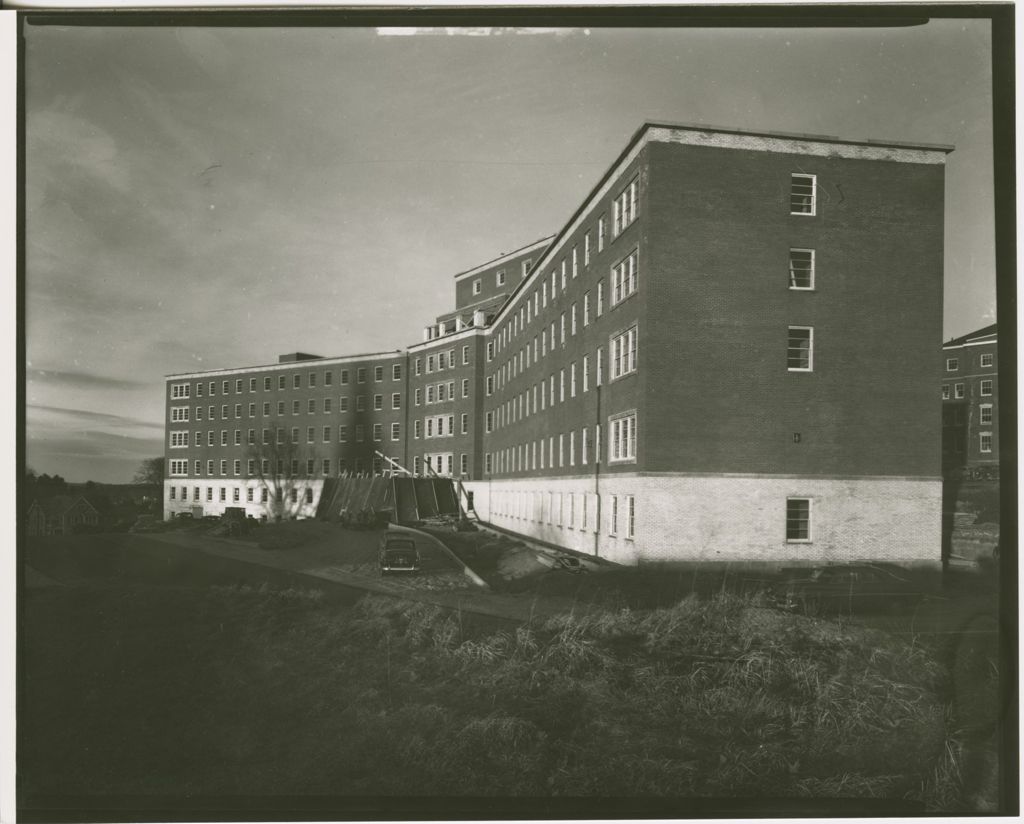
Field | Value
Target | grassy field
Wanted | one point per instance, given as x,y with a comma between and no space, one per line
265,689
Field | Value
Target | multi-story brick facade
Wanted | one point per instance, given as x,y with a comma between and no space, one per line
684,370
970,405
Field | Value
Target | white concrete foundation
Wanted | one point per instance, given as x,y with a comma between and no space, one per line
722,518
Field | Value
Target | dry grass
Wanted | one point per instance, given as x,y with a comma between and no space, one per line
271,691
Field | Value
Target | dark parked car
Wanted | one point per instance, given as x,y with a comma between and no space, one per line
398,553
846,588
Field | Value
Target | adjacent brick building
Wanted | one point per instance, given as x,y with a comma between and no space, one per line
722,356
970,405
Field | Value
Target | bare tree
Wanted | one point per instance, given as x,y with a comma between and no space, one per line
150,472
280,465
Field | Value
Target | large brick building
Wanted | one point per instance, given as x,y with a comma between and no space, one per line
970,413
723,355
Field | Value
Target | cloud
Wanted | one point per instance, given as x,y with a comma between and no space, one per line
80,380
90,418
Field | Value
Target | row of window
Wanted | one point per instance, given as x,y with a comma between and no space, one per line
500,278
265,467
440,392
441,463
183,390
434,426
984,390
180,439
236,494
559,451
624,280
569,510
325,405
985,361
623,349
440,361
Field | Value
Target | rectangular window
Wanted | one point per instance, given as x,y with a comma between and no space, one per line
296,381
600,298
179,467
327,405
238,386
622,353
181,390
613,515
396,400
378,402
252,384
952,364
360,433
296,405
295,434
945,391
624,207
465,423
396,372
465,387
985,412
417,428
327,434
280,407
985,444
224,467
798,520
600,233
630,514
958,391
986,388
252,410
343,403
179,439
179,413
310,406
477,286
311,434
622,438
236,467
801,268
328,378
378,373
360,403
238,437
396,431
986,361
223,437
266,383
572,379
599,377
802,194
342,434
325,466
799,352
624,278
226,387
361,374
586,373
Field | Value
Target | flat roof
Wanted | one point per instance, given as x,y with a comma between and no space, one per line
816,138
503,256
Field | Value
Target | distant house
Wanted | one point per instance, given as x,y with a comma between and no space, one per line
970,400
60,515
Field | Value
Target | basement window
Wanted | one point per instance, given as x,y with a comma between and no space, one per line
798,520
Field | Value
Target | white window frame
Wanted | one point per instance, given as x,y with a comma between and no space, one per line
810,271
796,198
810,520
810,348
622,353
985,414
986,361
952,364
625,207
622,437
982,388
477,286
625,276
985,442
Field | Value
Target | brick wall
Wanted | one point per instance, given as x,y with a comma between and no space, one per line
719,397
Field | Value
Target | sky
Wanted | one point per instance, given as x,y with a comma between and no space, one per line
203,198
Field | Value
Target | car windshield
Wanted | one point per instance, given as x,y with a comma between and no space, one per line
402,545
